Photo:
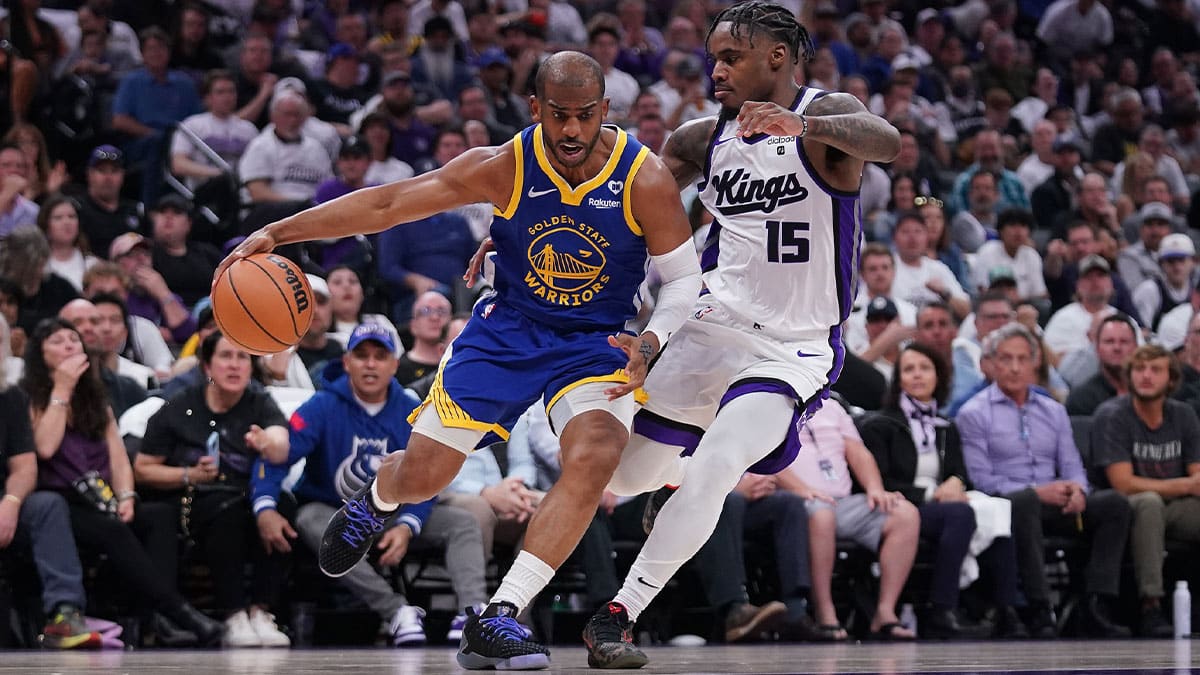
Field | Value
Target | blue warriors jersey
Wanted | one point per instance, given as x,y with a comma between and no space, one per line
570,257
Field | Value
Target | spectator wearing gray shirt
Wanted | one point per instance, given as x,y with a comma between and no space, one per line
1148,446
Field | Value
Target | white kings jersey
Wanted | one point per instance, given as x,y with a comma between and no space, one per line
783,249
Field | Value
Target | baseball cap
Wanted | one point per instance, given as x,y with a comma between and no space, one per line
1176,246
1066,144
1001,274
106,153
1155,211
354,146
881,308
125,243
290,84
689,67
904,62
492,56
371,331
826,9
173,201
928,14
341,50
1093,262
318,285
396,76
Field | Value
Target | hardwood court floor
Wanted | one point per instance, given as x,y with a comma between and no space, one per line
1165,656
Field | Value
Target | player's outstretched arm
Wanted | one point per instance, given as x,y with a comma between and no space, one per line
478,175
659,212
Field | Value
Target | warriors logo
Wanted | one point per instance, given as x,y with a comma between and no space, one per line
567,261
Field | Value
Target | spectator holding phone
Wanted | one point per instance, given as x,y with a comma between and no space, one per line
197,451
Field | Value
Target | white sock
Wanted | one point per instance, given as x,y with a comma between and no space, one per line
386,507
637,593
525,579
689,517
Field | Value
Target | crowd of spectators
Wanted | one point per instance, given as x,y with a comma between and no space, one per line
1029,266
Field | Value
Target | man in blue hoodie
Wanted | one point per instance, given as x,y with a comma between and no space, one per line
344,431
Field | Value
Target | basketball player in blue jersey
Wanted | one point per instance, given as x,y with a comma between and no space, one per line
779,170
578,206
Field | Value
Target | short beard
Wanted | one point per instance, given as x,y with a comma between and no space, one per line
1148,398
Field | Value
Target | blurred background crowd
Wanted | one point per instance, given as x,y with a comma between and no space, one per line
1037,233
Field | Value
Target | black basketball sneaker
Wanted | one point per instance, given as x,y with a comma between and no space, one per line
495,640
351,532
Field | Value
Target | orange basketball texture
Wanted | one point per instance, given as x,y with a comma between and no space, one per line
263,303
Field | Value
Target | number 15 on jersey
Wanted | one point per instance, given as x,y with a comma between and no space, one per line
787,241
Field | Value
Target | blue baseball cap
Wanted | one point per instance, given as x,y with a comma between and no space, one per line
371,331
492,56
341,50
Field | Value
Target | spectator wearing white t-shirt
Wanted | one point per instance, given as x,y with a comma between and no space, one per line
281,164
1070,327
219,128
1014,252
877,271
919,278
604,45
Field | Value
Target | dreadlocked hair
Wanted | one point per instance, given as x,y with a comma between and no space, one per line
777,22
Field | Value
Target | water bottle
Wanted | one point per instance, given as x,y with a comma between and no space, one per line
1182,605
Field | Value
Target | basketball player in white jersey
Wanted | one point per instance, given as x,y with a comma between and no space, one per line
780,170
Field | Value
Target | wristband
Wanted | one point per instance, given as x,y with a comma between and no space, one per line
803,127
126,494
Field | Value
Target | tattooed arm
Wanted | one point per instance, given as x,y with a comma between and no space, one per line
686,150
841,120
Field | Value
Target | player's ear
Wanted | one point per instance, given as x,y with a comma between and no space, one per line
779,56
535,109
604,109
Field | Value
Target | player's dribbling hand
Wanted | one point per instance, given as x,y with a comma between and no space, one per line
473,268
258,242
765,117
640,350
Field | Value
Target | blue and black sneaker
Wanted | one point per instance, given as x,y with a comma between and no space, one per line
494,640
351,532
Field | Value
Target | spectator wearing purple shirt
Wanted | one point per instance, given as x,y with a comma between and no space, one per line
15,209
1017,443
424,255
412,139
149,295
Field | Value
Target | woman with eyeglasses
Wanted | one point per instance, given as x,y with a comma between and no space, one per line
81,455
940,246
919,453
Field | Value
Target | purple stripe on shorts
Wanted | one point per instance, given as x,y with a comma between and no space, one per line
657,431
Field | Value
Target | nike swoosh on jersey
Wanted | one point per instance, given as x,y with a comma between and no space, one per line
538,193
643,581
803,355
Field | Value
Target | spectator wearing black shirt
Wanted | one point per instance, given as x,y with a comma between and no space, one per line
202,443
191,52
316,348
1115,342
103,214
1119,138
186,266
430,317
339,95
23,260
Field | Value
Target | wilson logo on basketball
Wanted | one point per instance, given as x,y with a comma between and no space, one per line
292,279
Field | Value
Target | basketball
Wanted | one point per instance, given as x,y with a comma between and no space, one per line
263,303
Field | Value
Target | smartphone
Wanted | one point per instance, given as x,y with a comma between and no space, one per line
213,449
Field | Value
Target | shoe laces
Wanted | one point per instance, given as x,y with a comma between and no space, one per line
503,628
608,627
361,522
